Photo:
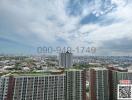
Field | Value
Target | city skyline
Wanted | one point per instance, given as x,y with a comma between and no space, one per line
28,24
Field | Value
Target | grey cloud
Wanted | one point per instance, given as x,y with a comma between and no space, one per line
123,45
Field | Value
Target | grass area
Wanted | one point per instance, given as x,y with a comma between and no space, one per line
25,74
34,73
30,73
84,66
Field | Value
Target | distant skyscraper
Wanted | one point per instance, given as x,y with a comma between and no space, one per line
65,60
99,85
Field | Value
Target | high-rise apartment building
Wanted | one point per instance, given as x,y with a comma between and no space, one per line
32,87
115,76
99,85
75,84
66,60
54,85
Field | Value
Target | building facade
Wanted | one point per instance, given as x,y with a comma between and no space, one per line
99,85
49,87
67,85
75,85
115,76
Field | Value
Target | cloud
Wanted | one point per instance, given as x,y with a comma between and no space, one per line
111,27
66,22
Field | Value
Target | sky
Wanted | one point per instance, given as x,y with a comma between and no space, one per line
26,25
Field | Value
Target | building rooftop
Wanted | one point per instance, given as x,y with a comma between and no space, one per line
30,73
71,69
99,68
36,73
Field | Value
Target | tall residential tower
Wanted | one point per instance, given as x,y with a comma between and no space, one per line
65,60
99,85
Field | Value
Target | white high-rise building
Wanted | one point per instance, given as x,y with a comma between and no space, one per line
65,60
